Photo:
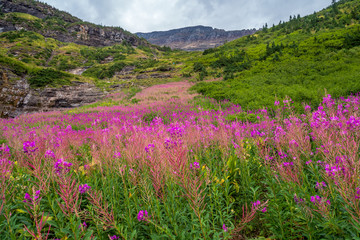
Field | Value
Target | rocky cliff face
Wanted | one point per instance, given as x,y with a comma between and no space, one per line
16,96
62,26
194,38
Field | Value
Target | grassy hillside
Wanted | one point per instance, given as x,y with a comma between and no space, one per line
30,54
303,58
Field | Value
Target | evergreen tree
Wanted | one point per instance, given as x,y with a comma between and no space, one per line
334,7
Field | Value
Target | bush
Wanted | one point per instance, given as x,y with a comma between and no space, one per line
199,67
49,77
102,72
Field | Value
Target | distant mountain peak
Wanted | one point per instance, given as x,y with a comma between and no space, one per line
194,38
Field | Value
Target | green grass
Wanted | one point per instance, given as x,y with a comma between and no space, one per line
24,16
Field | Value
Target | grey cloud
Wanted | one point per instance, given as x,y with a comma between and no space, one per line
154,15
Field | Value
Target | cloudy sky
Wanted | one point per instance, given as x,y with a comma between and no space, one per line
160,15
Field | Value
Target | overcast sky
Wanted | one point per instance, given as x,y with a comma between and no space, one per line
160,15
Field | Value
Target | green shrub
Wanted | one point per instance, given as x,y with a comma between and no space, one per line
101,71
49,77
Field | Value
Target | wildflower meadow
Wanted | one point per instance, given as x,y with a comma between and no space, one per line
176,169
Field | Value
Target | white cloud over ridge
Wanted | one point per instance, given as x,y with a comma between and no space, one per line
159,15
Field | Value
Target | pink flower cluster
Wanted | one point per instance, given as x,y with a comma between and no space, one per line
142,215
62,166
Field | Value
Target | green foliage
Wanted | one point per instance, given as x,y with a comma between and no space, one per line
17,67
199,67
12,36
209,51
352,39
101,72
149,117
99,54
135,100
244,117
145,63
49,77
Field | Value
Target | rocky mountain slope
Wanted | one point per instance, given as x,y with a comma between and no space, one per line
50,59
60,25
196,38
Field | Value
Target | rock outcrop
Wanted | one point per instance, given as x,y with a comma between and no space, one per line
16,96
196,38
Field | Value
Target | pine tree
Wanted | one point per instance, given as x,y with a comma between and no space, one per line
334,7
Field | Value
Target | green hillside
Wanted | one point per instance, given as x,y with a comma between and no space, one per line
302,58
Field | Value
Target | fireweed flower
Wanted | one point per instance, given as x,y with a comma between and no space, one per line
62,165
83,225
276,103
5,167
256,204
194,165
357,196
286,164
298,200
27,198
49,154
29,147
84,188
320,185
333,170
117,155
30,199
169,143
114,237
264,209
142,215
315,199
294,143
282,155
149,147
224,227
4,150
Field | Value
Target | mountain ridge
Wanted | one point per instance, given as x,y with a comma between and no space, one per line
60,25
194,38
